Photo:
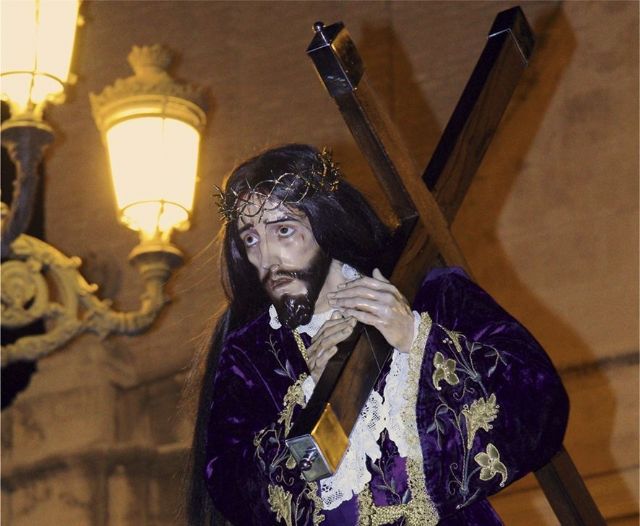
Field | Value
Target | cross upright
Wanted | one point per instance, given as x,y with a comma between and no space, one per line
425,205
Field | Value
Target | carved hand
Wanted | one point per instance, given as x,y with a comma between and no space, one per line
324,344
374,301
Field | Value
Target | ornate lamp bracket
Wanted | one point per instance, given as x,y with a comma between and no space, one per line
41,283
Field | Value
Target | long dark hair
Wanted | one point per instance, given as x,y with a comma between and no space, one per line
345,227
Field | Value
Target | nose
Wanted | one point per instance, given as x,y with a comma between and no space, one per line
269,255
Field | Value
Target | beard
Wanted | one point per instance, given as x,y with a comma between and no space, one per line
297,309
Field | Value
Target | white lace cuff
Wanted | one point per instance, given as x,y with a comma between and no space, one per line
395,400
376,415
352,474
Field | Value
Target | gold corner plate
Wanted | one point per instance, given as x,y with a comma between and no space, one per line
330,437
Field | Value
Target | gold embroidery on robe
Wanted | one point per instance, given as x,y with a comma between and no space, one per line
490,464
282,502
476,416
311,492
479,416
294,397
420,510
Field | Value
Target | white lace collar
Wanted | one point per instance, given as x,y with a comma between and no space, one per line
311,328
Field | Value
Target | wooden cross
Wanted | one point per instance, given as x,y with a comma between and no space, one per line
425,205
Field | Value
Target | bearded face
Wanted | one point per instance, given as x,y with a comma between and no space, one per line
291,266
296,309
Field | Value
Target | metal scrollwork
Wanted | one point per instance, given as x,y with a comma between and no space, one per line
41,283
25,293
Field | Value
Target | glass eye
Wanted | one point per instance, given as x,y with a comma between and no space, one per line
250,240
285,231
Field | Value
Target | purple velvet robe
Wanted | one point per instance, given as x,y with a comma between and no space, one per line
489,408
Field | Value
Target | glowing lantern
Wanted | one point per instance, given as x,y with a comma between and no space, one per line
151,126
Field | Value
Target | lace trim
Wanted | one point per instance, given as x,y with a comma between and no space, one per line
308,385
420,510
352,475
394,400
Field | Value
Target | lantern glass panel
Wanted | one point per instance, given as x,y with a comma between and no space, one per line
153,166
37,40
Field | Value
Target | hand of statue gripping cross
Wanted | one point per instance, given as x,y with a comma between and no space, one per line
324,343
375,301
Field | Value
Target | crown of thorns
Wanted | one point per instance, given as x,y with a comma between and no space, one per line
324,176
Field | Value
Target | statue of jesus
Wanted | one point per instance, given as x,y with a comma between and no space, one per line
468,402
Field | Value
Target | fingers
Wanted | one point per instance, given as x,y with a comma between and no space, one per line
372,283
363,298
329,336
397,329
337,319
321,362
375,295
367,287
378,275
361,290
367,318
376,302
330,331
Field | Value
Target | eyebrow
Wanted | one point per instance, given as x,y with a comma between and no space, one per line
282,219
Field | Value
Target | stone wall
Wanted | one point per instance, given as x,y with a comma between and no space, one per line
549,227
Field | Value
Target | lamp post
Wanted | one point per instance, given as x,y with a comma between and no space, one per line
151,127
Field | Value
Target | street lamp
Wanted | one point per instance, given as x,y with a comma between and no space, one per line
151,128
37,44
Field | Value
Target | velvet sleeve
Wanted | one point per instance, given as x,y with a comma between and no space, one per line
241,407
258,391
490,406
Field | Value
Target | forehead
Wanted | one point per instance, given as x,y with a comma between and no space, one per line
266,211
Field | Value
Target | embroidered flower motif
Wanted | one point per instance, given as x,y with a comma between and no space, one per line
490,463
453,338
301,505
280,502
479,416
444,370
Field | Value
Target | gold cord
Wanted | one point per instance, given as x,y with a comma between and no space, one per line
301,347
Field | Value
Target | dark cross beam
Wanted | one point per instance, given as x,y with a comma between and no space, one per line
422,234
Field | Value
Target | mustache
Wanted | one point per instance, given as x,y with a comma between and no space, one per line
273,275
